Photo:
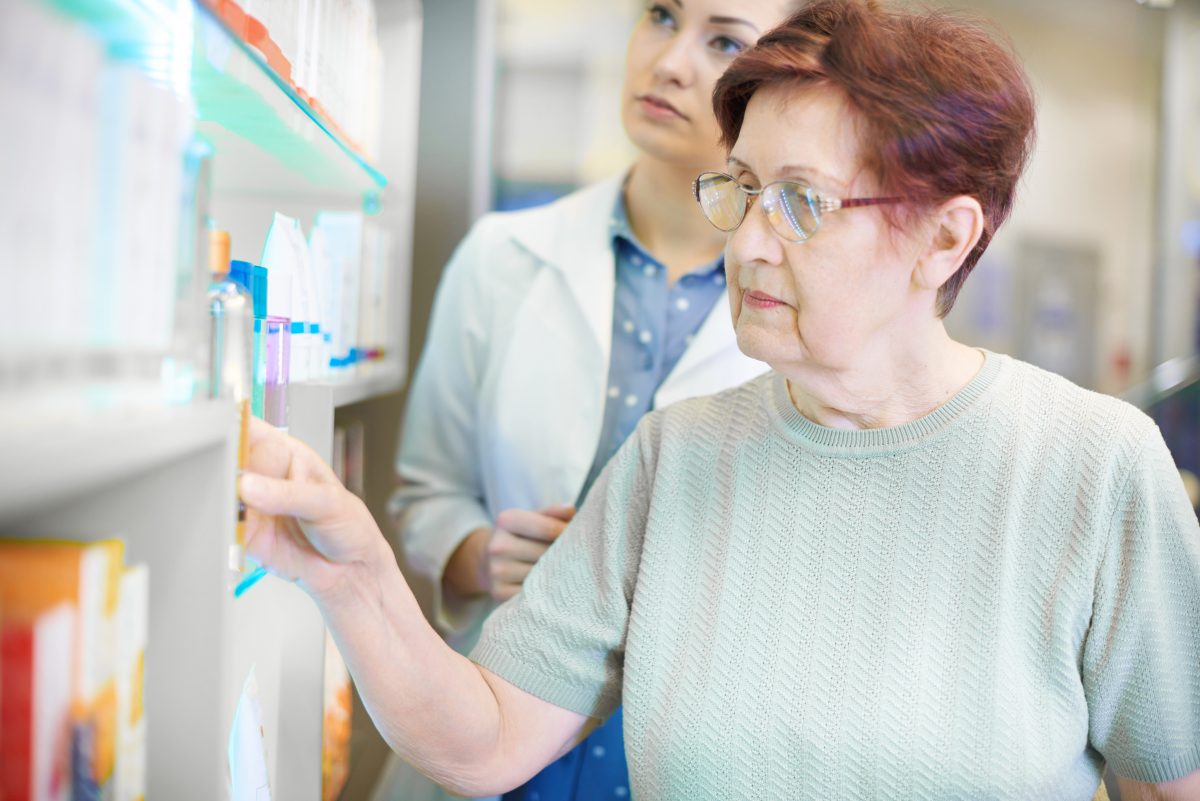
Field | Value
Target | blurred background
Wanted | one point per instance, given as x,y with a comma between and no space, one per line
1095,274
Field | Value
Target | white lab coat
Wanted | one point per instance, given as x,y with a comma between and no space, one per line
507,405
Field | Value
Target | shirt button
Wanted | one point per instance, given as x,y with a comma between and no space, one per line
598,752
645,337
631,400
614,392
621,792
628,326
648,271
682,304
720,279
637,260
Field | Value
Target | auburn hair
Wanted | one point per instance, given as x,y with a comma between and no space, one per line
943,106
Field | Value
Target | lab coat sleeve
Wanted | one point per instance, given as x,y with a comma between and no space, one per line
440,497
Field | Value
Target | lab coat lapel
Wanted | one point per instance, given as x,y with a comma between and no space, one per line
580,249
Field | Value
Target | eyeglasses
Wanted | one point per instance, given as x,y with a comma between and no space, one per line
793,208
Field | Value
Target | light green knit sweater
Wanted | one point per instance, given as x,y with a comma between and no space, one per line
986,603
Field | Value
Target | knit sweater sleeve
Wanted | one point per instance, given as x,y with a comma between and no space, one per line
563,637
1141,659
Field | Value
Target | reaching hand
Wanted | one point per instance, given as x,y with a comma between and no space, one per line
302,524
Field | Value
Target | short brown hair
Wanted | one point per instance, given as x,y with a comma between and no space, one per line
945,108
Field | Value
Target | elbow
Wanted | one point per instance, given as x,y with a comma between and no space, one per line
475,781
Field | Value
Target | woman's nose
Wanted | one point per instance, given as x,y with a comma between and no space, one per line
674,64
754,241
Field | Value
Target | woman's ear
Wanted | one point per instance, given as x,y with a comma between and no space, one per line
957,225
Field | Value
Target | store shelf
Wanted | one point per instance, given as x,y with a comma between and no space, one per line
268,139
48,462
370,381
382,379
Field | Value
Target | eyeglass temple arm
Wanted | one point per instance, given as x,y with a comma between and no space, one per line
827,204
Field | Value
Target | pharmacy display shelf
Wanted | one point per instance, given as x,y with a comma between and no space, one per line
54,459
374,381
269,140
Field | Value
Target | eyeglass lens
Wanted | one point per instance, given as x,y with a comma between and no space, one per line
792,210
791,207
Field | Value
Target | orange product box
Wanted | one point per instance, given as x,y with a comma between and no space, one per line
36,655
35,577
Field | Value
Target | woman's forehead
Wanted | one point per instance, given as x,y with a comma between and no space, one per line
797,129
762,14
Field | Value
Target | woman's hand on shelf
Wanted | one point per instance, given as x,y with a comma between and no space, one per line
302,524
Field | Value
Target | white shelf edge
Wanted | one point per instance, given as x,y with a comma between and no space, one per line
382,379
50,463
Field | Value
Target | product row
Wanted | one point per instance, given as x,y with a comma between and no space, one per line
312,310
327,50
73,632
92,157
109,218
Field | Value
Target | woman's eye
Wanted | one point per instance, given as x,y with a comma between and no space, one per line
660,15
726,45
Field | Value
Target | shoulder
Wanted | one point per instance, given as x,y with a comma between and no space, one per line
591,205
1105,432
594,200
709,417
514,240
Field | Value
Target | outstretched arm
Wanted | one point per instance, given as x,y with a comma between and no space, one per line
463,726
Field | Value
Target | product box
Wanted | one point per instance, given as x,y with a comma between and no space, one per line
335,730
36,658
133,623
37,576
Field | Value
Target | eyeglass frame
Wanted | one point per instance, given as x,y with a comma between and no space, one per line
825,205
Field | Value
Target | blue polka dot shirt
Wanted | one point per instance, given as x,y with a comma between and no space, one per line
653,324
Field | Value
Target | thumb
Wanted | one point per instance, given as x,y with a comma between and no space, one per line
276,496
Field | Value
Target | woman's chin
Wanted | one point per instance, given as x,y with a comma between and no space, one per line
758,343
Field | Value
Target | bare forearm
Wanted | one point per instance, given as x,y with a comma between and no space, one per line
1186,788
466,570
432,705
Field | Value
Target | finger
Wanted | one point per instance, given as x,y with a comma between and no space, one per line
274,496
563,512
276,454
509,573
269,457
530,524
502,592
505,545
261,431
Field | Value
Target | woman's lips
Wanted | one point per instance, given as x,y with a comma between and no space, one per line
654,106
760,300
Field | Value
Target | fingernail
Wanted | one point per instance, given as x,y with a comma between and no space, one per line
250,485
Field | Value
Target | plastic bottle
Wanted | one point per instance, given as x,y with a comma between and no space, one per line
255,278
281,258
277,345
231,318
231,314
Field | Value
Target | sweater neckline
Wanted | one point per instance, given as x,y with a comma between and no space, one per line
860,442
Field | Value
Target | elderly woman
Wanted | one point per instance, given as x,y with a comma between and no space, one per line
894,567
